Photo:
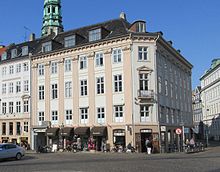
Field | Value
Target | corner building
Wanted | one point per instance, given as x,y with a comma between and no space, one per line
111,81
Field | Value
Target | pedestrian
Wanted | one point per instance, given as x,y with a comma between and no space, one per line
148,144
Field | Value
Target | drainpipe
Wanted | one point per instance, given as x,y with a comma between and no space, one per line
156,94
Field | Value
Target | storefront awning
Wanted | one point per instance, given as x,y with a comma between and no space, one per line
82,131
99,131
66,131
52,131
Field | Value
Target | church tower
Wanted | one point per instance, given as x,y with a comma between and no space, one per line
52,20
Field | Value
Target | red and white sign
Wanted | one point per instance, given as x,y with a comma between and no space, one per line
178,131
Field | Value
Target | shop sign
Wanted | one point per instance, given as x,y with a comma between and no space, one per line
40,130
119,132
146,131
163,128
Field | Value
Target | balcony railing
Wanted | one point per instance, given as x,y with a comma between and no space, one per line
146,94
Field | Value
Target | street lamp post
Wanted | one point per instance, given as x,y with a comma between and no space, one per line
183,134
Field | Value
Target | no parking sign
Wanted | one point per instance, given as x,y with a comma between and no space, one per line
178,131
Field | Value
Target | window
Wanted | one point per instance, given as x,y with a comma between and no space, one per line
10,128
171,90
143,81
118,83
25,65
159,84
24,51
68,65
13,53
118,113
144,112
18,107
3,128
11,87
68,89
69,41
54,91
18,68
53,67
25,126
83,62
53,9
101,115
18,128
83,87
4,106
95,35
117,55
41,92
40,117
166,87
140,27
41,69
69,117
4,71
99,59
142,53
54,117
46,47
100,85
26,104
4,88
18,86
4,56
84,115
11,69
26,86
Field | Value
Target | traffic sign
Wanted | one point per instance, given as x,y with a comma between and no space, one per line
178,131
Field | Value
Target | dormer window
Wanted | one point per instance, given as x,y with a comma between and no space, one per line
95,35
46,47
69,41
13,53
24,51
4,56
140,27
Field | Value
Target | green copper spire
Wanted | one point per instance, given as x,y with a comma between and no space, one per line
52,20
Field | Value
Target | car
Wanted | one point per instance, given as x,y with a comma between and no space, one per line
9,150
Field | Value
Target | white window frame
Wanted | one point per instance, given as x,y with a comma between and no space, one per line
41,117
11,87
26,67
26,106
26,126
118,83
99,59
18,68
4,71
144,81
100,85
54,117
13,53
118,113
18,107
82,62
41,69
95,34
69,116
68,65
54,67
4,88
41,92
142,53
18,86
83,87
54,90
117,55
70,41
11,107
68,89
100,115
144,113
11,69
24,51
46,47
26,85
4,107
84,115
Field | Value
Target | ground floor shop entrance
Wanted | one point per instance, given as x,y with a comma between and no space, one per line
119,137
99,135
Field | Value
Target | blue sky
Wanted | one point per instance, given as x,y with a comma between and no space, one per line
192,25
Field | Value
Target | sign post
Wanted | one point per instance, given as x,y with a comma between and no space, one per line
178,132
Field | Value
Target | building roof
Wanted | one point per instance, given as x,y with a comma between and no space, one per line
214,65
2,50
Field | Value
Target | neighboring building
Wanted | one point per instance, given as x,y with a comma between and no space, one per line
210,94
15,93
197,113
111,81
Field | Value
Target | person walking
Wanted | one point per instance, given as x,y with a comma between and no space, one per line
148,145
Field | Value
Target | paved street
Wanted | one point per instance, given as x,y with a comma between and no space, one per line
208,161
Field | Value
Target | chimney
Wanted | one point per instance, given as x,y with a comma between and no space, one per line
32,37
122,16
170,42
